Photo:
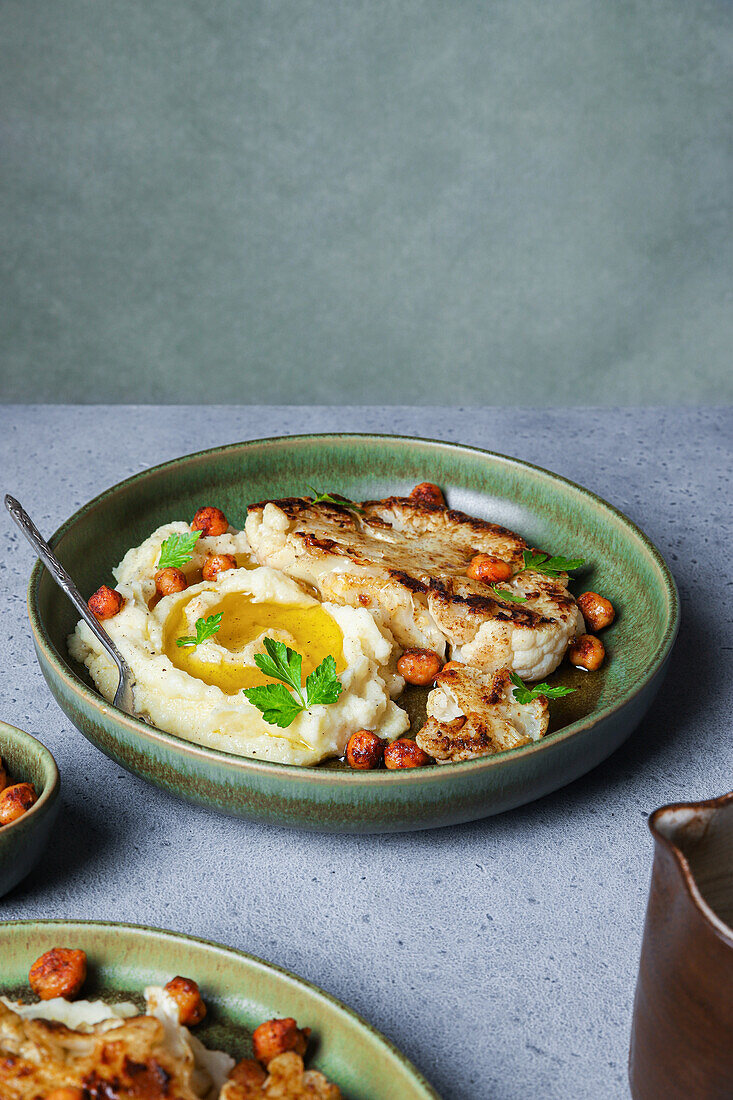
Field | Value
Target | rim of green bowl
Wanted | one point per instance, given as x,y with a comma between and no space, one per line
51,778
253,960
329,776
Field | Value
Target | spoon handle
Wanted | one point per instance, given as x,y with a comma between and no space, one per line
62,578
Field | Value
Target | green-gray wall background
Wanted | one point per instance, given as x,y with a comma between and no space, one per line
415,201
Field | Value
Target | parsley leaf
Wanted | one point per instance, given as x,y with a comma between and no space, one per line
278,706
205,629
323,686
550,566
523,694
506,594
281,663
334,498
177,550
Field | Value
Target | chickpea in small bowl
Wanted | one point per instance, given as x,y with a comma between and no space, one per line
29,788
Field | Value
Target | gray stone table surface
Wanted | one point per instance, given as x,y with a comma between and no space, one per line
501,955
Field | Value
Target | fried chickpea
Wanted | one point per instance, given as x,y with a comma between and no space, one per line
185,992
216,564
15,801
69,1092
278,1036
428,493
587,652
451,666
405,753
106,602
170,580
210,521
60,972
364,750
3,775
248,1073
419,666
597,611
484,567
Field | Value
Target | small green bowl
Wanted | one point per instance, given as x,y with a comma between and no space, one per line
22,842
240,992
547,510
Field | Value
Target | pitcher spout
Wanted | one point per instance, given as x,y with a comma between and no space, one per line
699,838
682,1031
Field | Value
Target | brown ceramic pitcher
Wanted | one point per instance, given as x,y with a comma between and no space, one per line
682,1030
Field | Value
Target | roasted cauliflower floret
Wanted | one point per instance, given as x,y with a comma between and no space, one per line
287,1079
473,713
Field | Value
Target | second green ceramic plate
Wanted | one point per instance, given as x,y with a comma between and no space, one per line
240,992
547,510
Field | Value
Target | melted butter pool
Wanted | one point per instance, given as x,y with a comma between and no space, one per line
315,634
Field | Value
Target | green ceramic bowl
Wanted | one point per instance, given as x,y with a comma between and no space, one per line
240,992
548,510
21,844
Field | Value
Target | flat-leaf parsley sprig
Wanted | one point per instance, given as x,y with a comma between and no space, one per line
177,550
550,566
506,594
334,498
205,629
524,694
279,707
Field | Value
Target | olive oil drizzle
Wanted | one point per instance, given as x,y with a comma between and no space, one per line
308,629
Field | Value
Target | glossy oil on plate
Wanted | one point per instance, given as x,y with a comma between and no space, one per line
240,992
545,509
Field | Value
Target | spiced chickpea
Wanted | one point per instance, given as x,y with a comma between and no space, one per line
106,602
210,521
185,992
15,801
170,580
3,776
587,652
60,972
278,1036
364,750
419,666
597,611
429,493
404,753
68,1092
248,1073
451,666
216,564
484,567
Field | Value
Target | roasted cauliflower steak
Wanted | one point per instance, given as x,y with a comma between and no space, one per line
113,1060
406,558
474,713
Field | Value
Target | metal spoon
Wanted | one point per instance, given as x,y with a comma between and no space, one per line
123,699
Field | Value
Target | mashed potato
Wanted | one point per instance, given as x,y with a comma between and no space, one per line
196,693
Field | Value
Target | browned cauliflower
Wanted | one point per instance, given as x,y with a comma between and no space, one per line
287,1079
